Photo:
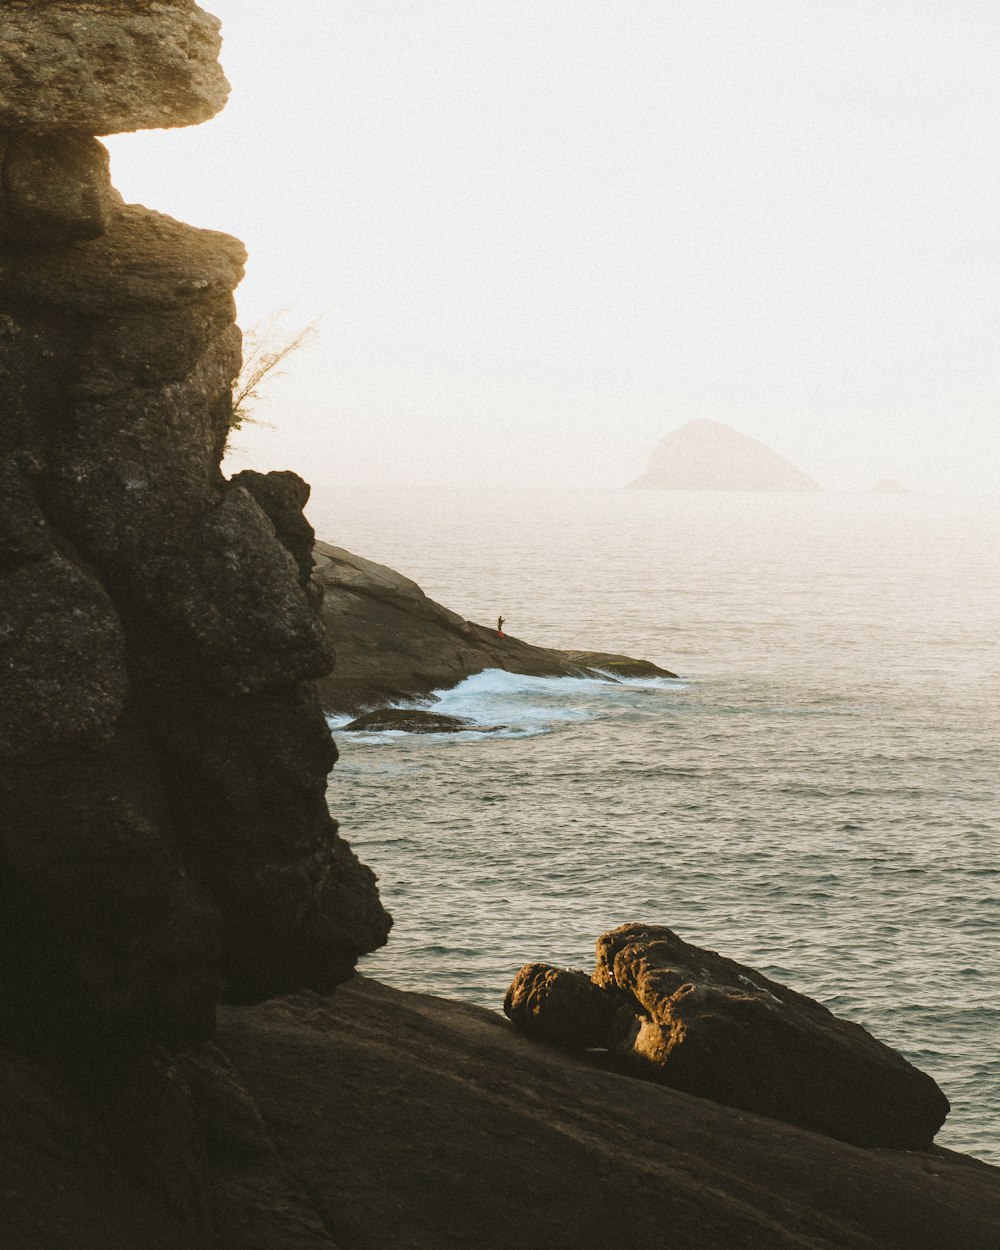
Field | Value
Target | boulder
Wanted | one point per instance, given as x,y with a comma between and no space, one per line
567,1008
100,67
282,497
182,269
713,1027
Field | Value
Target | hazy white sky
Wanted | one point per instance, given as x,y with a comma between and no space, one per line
543,233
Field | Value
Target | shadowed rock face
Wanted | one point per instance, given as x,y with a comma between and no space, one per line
163,758
712,1027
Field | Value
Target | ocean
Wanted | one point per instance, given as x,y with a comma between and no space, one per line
816,795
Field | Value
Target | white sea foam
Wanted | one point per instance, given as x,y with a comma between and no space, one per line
502,704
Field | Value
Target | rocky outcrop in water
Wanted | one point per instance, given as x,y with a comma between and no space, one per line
163,758
707,455
709,1026
395,643
412,720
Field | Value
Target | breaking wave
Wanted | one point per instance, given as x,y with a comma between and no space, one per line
502,704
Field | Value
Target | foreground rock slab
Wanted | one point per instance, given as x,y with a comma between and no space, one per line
377,1119
716,1028
394,643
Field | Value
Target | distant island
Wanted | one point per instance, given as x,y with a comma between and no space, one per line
707,455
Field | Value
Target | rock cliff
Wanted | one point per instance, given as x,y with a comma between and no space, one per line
163,758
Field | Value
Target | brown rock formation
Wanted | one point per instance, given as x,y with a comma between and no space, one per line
101,67
567,1008
163,759
393,642
712,1027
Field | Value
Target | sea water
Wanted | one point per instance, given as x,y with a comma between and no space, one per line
816,795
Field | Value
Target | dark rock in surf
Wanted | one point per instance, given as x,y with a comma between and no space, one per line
411,720
394,643
716,1028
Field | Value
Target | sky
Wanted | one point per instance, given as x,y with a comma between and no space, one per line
537,235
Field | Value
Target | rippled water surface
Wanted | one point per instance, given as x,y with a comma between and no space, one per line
816,796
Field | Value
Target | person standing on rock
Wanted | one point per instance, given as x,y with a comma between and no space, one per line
500,621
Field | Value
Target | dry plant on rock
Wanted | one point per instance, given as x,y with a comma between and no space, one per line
266,346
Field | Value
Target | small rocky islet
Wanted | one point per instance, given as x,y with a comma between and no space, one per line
188,1061
709,455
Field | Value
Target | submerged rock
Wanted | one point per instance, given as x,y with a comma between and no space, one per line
716,1028
395,643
